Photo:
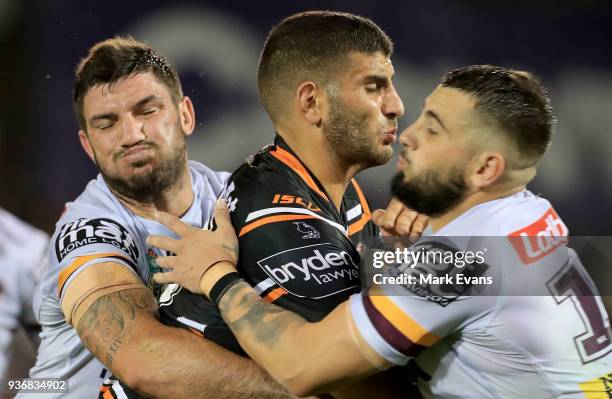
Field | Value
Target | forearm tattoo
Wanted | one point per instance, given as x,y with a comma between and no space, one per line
246,313
103,326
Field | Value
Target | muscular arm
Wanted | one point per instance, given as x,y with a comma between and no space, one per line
123,331
307,358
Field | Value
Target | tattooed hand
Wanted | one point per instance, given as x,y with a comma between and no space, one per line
196,251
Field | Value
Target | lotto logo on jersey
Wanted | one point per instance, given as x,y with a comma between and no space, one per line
83,232
314,271
539,238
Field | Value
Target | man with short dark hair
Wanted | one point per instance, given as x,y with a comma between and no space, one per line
325,79
96,303
522,321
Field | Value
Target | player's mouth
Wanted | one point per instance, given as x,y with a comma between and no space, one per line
137,154
390,136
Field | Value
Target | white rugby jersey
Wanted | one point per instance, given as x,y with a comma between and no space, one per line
23,253
97,228
495,341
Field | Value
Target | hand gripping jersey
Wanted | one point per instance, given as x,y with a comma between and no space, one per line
296,248
23,251
536,329
97,228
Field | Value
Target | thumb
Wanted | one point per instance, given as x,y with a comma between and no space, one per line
222,216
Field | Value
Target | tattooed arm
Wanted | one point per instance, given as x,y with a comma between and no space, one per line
122,329
307,358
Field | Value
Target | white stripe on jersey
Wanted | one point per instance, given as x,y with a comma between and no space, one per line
354,212
264,285
190,323
271,211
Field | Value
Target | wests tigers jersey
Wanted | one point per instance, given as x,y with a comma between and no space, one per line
296,248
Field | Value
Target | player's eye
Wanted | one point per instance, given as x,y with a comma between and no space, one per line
148,111
105,126
431,131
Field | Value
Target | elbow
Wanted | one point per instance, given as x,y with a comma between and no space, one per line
301,389
132,377
299,383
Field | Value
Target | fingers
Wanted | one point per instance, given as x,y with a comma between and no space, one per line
163,242
222,216
418,226
394,209
173,223
163,278
165,262
405,221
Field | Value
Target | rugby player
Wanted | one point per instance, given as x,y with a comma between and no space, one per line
96,302
325,80
23,254
466,161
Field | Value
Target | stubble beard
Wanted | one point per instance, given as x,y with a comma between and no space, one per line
428,193
350,138
145,187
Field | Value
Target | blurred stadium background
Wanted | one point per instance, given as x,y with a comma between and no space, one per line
215,45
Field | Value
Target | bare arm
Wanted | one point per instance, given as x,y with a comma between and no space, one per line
123,331
307,358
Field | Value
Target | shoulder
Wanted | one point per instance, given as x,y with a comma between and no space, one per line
262,182
215,180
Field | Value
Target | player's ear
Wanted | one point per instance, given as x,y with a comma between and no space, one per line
487,168
84,139
309,102
186,115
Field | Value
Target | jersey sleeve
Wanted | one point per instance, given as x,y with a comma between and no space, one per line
83,241
414,305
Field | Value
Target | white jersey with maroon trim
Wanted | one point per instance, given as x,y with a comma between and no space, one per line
97,228
495,341
23,251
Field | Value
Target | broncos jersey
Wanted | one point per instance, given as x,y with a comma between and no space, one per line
296,248
530,326
94,229
23,251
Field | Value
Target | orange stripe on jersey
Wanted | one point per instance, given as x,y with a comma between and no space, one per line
78,262
196,332
288,159
403,323
271,219
365,217
107,395
362,198
275,294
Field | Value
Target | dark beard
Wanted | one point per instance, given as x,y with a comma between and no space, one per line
145,187
427,193
344,132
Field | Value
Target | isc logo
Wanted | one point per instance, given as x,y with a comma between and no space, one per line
539,238
294,199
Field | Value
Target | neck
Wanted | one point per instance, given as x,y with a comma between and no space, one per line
176,200
314,151
476,198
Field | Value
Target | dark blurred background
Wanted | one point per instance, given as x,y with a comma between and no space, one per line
215,45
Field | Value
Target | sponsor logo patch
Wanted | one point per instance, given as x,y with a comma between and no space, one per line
539,238
314,271
82,232
307,230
